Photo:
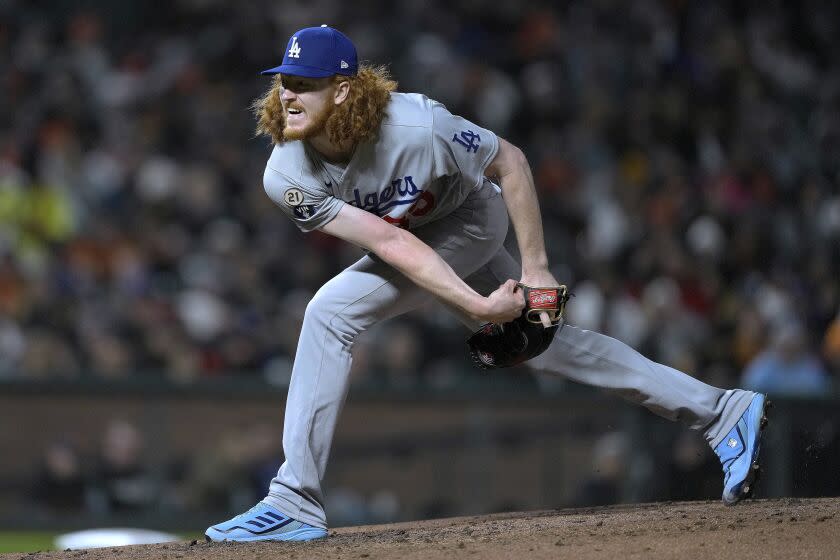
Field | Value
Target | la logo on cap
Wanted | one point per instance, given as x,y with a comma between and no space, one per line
328,52
294,50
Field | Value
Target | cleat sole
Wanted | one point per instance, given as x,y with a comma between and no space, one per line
754,474
755,470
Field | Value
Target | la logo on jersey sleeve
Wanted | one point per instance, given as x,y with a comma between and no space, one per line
468,139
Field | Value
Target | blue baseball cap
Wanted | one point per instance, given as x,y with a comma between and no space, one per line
318,52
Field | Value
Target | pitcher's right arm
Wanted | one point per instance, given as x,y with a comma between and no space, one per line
422,265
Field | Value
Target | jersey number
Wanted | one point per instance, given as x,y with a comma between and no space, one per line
422,206
293,197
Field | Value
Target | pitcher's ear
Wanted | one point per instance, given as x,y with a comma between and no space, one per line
342,92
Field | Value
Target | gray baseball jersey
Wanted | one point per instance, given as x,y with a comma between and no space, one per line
425,172
422,167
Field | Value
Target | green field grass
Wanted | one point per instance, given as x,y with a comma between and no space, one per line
26,541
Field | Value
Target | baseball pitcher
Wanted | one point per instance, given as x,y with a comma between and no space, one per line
429,196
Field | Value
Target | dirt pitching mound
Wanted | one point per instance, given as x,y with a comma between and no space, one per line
783,528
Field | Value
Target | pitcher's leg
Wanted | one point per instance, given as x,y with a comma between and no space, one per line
601,361
366,293
348,304
598,360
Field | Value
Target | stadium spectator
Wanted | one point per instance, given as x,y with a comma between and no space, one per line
232,472
610,465
122,479
61,485
692,470
787,366
831,347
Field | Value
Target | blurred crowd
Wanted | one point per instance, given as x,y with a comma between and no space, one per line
127,474
685,154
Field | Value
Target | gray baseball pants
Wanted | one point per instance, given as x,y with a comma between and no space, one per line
470,240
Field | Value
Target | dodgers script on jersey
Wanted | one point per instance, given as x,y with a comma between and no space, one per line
422,166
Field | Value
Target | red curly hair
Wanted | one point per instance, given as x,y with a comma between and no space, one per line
356,120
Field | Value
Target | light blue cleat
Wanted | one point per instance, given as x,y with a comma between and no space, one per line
739,452
263,523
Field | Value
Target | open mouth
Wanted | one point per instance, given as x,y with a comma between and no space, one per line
295,111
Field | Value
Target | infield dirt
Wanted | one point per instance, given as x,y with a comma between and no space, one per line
781,528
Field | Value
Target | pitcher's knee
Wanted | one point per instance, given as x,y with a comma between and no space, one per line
324,315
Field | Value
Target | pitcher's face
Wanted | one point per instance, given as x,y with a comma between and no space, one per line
308,103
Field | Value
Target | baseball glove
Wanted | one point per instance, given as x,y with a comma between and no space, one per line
497,346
